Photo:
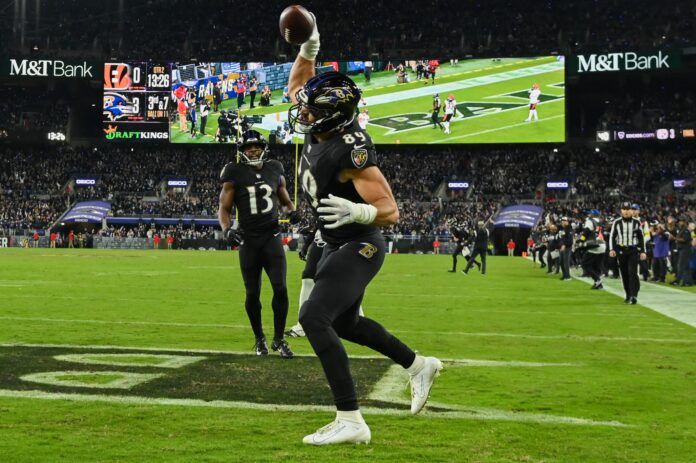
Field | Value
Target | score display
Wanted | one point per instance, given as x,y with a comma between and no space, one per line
137,99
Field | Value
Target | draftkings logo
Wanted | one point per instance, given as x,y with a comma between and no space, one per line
112,133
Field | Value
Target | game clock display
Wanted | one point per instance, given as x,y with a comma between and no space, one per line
137,100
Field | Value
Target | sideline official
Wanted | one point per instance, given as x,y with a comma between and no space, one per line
626,243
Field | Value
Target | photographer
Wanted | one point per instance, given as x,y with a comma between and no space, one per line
265,96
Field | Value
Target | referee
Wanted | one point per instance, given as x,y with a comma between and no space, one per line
627,245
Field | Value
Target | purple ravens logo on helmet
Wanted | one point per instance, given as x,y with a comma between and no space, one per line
117,106
335,96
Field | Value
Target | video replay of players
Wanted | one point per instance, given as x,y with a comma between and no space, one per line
429,101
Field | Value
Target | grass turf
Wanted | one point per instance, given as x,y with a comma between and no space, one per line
629,364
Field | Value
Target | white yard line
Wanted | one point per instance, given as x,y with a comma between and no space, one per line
461,413
672,303
459,361
428,90
389,389
568,337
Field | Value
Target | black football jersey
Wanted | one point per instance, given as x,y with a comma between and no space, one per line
255,194
320,166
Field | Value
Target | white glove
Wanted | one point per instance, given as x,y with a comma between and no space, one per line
339,211
310,48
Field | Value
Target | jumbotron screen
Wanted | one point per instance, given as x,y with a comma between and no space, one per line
430,101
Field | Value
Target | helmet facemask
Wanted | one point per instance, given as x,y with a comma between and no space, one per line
261,149
331,99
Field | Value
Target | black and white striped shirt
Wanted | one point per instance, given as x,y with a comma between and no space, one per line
626,233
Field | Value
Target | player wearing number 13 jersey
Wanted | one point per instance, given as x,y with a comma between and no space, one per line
256,186
350,199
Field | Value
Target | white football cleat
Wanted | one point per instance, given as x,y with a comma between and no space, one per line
296,331
422,382
340,431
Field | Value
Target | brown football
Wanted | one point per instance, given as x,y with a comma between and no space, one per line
296,24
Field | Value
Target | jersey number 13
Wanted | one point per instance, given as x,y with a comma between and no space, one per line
265,198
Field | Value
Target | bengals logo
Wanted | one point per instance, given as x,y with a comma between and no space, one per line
117,76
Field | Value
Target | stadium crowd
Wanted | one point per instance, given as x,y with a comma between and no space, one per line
36,187
509,28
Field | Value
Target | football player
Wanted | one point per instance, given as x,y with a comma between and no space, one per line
533,102
435,116
350,199
256,187
363,119
450,108
310,252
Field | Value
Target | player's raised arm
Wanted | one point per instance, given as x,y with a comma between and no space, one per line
303,67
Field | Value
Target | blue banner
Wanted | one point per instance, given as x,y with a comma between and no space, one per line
519,216
87,211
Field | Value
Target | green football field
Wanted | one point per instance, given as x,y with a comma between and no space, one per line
492,104
122,356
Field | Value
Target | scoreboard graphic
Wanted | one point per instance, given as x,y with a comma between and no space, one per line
137,99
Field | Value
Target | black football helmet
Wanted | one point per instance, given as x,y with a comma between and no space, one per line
249,138
332,98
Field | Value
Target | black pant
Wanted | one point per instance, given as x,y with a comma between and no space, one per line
659,268
592,265
628,268
435,118
683,270
252,96
565,262
240,100
264,252
313,257
475,253
542,251
204,121
457,252
331,313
